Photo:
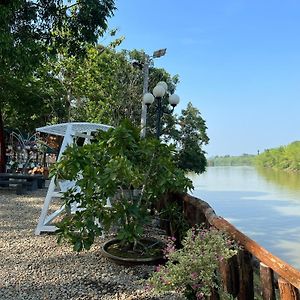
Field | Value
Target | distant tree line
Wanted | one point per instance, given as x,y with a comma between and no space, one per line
281,158
227,160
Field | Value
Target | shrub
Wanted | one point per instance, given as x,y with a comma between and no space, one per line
192,270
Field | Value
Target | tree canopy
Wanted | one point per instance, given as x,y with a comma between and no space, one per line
191,137
55,70
282,158
34,31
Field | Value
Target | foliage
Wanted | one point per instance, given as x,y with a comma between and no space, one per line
31,26
282,158
102,88
191,137
106,86
192,270
49,60
32,32
37,102
227,160
132,172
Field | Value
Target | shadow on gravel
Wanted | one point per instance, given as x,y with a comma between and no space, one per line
73,289
69,276
87,289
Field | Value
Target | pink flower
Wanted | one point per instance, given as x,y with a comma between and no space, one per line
200,296
158,268
196,286
194,275
149,287
170,248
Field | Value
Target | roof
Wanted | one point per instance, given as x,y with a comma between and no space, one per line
60,129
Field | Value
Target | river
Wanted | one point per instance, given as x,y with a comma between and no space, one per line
263,204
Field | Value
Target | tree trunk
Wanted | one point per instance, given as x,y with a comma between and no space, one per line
2,145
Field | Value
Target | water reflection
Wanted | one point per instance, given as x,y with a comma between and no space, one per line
280,178
265,210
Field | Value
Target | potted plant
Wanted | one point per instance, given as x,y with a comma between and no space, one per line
132,173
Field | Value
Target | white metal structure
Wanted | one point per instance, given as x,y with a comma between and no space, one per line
70,131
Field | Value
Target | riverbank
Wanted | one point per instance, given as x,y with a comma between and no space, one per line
35,267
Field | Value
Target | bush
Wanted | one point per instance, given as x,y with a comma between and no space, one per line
192,270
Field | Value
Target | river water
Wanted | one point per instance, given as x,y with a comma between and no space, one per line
263,204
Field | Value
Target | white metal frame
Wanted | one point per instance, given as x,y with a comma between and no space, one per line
70,131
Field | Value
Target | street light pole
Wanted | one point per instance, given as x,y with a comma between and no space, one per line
158,93
156,54
159,115
145,90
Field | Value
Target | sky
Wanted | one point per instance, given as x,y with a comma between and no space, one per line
238,62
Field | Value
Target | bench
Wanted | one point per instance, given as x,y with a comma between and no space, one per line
21,186
23,182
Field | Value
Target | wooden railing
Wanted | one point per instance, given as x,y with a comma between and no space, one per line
237,273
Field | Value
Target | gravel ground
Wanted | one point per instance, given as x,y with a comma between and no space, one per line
35,267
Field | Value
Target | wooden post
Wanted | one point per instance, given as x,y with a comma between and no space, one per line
282,268
229,270
287,291
267,282
246,291
214,295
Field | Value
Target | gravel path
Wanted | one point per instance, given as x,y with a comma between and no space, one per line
35,267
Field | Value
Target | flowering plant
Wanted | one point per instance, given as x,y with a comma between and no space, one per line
192,270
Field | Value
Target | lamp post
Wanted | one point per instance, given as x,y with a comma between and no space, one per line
148,58
158,93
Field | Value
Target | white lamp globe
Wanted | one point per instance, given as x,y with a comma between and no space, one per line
164,84
159,91
174,100
148,98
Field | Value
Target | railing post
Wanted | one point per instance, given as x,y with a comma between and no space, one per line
246,291
214,295
287,291
197,210
267,282
229,271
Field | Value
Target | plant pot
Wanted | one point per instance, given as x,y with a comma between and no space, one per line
113,251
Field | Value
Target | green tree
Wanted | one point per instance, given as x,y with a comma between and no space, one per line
191,137
283,158
36,102
32,31
105,87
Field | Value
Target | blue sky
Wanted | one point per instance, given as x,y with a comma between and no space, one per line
238,62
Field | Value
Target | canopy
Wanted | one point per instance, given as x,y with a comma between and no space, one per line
60,129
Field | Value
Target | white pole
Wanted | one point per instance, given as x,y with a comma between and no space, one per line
145,90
